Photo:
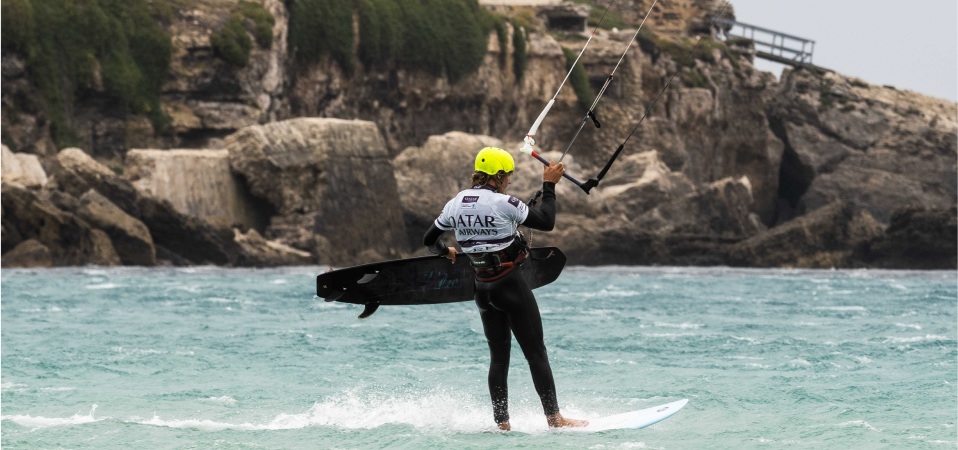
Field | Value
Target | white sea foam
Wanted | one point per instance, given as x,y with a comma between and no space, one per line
683,326
226,400
907,340
908,325
858,423
103,286
842,308
667,335
36,422
750,340
439,410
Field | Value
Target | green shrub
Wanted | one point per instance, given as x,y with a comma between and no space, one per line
679,51
263,22
442,37
692,78
66,43
232,43
520,57
370,34
578,79
489,21
322,27
613,19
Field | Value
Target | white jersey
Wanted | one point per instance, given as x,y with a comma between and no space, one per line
484,220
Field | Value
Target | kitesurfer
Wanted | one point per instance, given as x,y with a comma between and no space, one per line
486,222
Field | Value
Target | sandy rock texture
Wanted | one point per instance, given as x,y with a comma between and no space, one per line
198,183
326,177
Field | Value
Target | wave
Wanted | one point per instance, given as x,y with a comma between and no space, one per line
908,340
682,326
841,308
37,422
439,410
104,286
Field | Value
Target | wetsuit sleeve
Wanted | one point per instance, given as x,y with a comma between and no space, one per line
433,243
544,219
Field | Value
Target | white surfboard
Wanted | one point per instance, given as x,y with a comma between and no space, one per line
636,419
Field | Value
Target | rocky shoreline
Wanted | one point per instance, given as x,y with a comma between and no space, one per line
281,163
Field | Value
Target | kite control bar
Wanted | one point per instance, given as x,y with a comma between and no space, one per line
543,161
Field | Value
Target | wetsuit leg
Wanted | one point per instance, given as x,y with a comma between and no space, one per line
512,296
495,323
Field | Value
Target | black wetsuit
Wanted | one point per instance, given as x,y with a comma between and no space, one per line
507,306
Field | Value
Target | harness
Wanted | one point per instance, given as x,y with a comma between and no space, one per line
491,266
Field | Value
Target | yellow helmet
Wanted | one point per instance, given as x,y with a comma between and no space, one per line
491,160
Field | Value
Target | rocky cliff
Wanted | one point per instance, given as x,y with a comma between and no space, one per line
731,167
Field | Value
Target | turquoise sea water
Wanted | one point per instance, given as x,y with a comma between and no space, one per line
250,359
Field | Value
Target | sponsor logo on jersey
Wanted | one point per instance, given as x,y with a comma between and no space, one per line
514,202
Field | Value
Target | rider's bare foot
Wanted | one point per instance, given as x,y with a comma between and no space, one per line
504,426
557,421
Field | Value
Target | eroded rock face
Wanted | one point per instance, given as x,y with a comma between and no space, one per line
198,183
918,238
816,240
29,253
79,173
70,240
690,230
190,238
193,239
877,148
254,251
131,239
23,168
337,171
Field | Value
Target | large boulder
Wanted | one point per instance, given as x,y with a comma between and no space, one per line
190,238
640,183
70,240
79,173
29,253
130,237
197,182
694,229
23,168
185,236
334,175
820,239
721,210
255,251
917,238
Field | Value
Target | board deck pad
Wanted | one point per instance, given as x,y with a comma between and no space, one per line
635,419
425,280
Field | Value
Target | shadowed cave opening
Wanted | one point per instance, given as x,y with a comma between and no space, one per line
794,178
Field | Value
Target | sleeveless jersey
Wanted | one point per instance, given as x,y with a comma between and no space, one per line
484,220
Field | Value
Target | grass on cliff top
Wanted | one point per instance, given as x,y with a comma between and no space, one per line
72,47
442,37
679,50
